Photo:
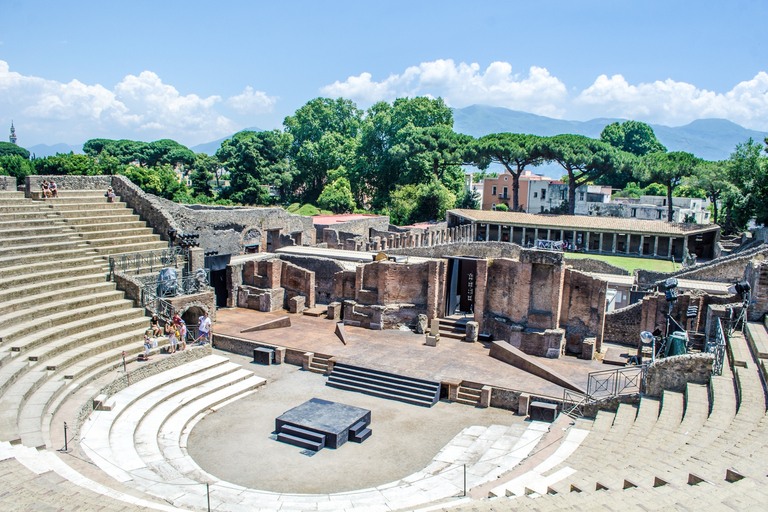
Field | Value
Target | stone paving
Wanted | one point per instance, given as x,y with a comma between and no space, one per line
403,352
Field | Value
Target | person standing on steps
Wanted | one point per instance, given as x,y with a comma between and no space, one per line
170,330
182,335
204,329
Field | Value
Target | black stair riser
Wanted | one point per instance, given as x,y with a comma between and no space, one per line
380,388
297,441
357,428
302,433
375,381
387,374
369,374
362,436
381,395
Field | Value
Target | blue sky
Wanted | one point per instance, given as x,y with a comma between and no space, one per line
197,71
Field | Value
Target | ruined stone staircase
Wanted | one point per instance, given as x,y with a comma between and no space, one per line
383,384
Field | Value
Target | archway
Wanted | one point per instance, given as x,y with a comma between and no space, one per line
190,317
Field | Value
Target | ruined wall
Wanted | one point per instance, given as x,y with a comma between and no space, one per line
470,249
508,290
344,285
298,281
595,266
756,274
325,270
8,183
353,227
623,325
268,284
583,310
673,373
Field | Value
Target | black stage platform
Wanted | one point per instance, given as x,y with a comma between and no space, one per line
320,423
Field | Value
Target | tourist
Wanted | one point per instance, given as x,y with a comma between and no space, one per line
110,195
176,320
154,324
170,331
45,191
53,189
204,329
147,345
182,333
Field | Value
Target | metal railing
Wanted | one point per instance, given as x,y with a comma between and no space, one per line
550,245
573,403
183,285
147,260
717,347
628,380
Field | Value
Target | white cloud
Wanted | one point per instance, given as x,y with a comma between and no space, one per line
673,103
461,85
141,107
251,102
665,102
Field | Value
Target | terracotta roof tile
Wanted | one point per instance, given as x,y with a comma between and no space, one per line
585,222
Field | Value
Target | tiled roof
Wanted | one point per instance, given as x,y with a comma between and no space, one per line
585,222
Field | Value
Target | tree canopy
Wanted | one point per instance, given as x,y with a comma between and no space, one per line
7,149
668,169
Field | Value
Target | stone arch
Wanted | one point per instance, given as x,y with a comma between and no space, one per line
253,235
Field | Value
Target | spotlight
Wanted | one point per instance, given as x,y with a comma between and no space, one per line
693,312
172,234
742,288
670,295
670,283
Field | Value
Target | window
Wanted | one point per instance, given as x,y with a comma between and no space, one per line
493,191
562,195
504,191
505,178
664,203
658,214
581,196
493,206
543,193
535,194
634,212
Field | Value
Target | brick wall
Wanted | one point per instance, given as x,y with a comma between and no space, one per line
623,325
583,310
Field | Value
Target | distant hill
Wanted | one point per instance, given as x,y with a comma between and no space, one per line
710,139
210,148
43,150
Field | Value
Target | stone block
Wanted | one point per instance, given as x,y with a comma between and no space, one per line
473,331
485,396
296,304
334,311
277,323
432,341
421,324
341,333
306,360
588,349
434,329
279,355
523,403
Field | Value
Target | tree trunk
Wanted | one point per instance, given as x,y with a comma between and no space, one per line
571,193
713,198
515,192
670,210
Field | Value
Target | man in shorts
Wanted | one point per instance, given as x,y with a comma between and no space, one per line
204,329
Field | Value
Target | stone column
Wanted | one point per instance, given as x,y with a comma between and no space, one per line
562,235
655,246
600,243
586,242
573,240
522,238
613,246
535,235
640,249
628,240
669,249
498,232
685,245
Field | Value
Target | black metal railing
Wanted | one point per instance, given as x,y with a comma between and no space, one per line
717,347
628,380
183,285
147,260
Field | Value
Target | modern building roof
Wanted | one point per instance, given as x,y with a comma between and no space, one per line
340,254
324,220
584,223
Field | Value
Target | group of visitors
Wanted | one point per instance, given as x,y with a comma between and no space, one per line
176,330
110,195
49,189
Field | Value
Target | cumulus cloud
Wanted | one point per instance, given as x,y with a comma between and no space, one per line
461,85
671,102
140,106
251,102
666,102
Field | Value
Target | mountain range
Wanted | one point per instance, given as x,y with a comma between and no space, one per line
710,139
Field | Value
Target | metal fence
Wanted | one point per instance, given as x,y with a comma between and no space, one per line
147,261
717,347
628,380
183,285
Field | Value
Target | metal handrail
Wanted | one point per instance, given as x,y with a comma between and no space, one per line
628,380
183,285
717,347
146,260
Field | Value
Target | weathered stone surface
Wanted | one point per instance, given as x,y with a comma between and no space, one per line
277,323
296,304
9,183
334,311
421,324
509,354
341,333
432,341
596,266
473,330
588,349
673,373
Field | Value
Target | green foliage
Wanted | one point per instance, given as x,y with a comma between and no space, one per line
148,154
420,203
308,210
337,197
654,189
689,191
668,169
469,200
514,151
748,172
632,189
293,207
70,164
584,160
16,166
633,137
255,161
479,176
502,207
161,181
8,149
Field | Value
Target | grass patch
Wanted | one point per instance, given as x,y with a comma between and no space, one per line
628,262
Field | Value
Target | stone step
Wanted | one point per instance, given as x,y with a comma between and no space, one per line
47,255
54,297
120,240
62,265
379,391
131,248
34,230
303,433
42,240
757,335
300,442
84,192
117,234
11,194
115,225
62,337
12,332
98,217
18,292
33,248
22,208
42,276
72,199
42,221
91,206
